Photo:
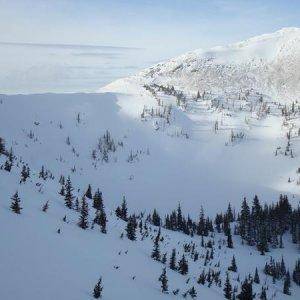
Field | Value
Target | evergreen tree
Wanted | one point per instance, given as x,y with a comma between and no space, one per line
62,180
2,146
42,173
193,292
227,232
7,166
124,209
155,218
15,204
180,224
287,284
84,212
164,258
229,214
296,273
102,221
24,173
68,194
256,277
45,206
244,220
246,291
131,228
156,252
88,192
263,294
227,288
164,281
97,293
262,245
183,267
229,239
173,260
62,190
202,278
77,208
97,200
121,212
233,266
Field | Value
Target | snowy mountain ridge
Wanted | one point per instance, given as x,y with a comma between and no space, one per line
269,64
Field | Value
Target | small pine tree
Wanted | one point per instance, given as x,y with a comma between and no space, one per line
97,200
68,194
97,293
164,281
202,278
131,228
102,221
77,208
263,294
233,266
62,191
256,277
156,252
121,212
7,166
88,192
229,238
287,284
193,292
45,206
2,146
227,288
15,205
124,209
24,173
183,267
173,260
296,273
246,291
84,212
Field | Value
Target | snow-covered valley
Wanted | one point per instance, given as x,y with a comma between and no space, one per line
203,130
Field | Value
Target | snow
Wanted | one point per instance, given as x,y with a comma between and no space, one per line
268,64
205,169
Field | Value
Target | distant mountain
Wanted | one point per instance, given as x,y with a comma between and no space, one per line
269,64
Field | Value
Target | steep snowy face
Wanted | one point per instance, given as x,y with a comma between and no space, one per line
268,64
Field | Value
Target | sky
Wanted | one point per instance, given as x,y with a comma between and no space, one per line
34,57
164,26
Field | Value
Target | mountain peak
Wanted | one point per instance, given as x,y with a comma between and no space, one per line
267,63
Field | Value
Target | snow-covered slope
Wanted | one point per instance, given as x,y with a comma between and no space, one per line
154,139
269,64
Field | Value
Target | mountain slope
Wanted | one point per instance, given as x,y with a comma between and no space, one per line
154,139
269,64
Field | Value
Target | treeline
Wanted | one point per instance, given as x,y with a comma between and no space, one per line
258,225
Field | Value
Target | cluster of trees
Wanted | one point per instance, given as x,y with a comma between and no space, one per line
25,173
106,144
82,206
264,226
8,164
260,226
45,174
